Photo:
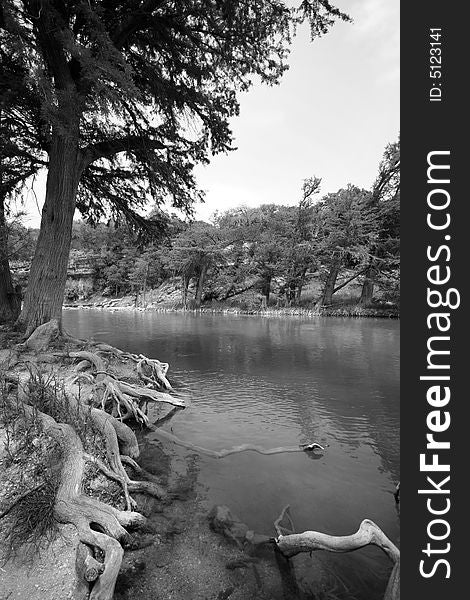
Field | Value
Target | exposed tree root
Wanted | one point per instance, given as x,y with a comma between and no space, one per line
150,370
149,487
99,525
41,337
87,565
102,529
168,437
118,437
88,570
127,399
158,371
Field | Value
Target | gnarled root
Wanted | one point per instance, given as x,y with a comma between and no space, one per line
120,441
127,398
149,487
99,526
88,570
123,406
150,370
158,371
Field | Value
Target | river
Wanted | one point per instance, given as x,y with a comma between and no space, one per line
282,382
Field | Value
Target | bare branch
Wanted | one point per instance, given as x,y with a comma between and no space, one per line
368,533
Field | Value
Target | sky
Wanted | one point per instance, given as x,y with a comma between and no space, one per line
332,115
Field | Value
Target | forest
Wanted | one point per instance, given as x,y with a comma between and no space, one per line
274,251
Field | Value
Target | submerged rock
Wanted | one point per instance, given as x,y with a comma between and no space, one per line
223,521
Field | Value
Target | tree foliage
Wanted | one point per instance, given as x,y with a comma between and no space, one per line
148,86
131,95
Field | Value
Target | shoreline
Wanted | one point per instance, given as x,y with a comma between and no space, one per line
171,519
354,311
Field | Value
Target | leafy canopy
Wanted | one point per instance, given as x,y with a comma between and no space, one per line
148,87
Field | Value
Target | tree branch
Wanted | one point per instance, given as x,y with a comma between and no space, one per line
345,283
368,533
137,19
110,147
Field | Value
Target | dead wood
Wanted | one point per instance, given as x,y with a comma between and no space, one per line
368,533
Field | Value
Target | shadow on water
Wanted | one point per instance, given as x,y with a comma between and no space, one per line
283,382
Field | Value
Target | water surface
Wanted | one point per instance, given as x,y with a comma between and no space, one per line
283,382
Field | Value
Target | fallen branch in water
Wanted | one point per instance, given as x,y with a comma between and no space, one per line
368,534
280,529
288,544
168,437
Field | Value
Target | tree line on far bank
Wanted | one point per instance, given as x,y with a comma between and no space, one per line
348,236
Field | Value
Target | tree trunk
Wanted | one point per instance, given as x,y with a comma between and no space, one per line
185,285
48,274
368,287
329,290
200,286
301,284
267,288
144,292
291,292
10,301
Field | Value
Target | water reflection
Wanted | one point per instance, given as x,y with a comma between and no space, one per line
283,382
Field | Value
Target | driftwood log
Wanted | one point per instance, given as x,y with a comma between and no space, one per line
291,544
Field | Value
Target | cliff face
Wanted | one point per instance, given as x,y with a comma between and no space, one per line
82,267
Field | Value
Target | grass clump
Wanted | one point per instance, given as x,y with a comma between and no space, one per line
48,395
29,472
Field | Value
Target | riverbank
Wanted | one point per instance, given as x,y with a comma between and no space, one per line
174,550
167,298
47,440
180,553
128,303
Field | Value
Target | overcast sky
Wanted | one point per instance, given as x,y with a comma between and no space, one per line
331,116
